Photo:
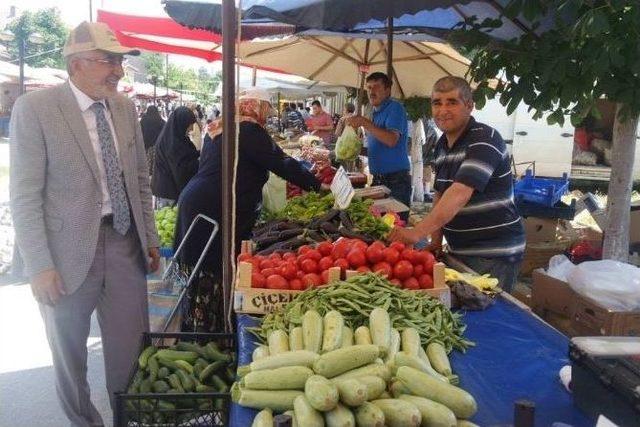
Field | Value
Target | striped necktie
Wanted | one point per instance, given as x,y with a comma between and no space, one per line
115,183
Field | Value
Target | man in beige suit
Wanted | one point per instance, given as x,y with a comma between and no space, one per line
82,212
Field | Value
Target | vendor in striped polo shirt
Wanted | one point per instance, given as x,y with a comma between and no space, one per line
473,205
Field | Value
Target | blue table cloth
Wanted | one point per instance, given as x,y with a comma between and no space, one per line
517,356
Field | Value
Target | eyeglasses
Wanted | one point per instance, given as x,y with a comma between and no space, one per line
114,61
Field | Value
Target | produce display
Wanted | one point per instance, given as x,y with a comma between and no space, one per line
323,373
166,224
348,145
484,283
323,173
181,369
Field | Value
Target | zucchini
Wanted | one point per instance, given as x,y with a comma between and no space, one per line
410,341
210,369
290,358
465,423
145,355
362,336
340,416
397,389
260,352
286,378
296,340
347,336
190,346
264,418
399,413
160,386
434,414
294,421
339,361
380,328
374,386
438,358
405,359
375,369
321,393
260,399
332,325
369,415
306,414
394,346
459,401
173,355
278,342
351,391
312,331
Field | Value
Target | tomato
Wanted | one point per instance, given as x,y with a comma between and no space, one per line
379,244
325,248
267,263
289,255
398,246
259,258
300,274
340,250
275,281
342,263
311,279
314,255
383,268
356,258
275,257
244,257
363,269
409,255
411,283
418,270
303,249
288,271
258,280
357,243
256,263
403,270
425,281
375,253
428,262
391,255
309,266
419,257
325,263
396,282
296,285
325,277
266,272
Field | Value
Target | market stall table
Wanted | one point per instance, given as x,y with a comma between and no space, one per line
517,356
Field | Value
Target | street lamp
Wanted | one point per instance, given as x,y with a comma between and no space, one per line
34,38
154,80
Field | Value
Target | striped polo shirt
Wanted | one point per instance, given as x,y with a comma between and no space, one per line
489,225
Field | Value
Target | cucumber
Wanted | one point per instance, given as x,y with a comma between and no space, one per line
167,363
173,355
294,421
399,413
290,358
286,378
160,386
362,336
261,399
186,380
199,366
380,328
203,388
438,358
145,386
210,369
219,384
369,415
410,341
339,361
405,359
394,346
264,418
296,340
175,383
145,355
189,346
332,326
434,414
375,369
321,393
312,331
306,414
374,386
213,353
153,366
260,352
459,401
347,336
184,365
351,391
340,416
278,342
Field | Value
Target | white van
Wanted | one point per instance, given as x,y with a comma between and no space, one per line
549,150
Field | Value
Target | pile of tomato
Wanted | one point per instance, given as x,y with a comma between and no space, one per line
309,266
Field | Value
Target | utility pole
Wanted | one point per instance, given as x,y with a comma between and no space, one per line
90,11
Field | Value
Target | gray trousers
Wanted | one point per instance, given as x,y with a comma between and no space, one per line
116,286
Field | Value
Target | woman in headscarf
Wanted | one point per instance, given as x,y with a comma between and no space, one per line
176,157
151,124
257,155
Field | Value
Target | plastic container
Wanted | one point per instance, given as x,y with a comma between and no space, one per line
558,211
191,409
544,191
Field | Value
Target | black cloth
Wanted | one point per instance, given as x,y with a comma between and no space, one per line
257,155
176,157
151,124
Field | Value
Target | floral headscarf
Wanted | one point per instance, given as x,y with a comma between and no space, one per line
254,110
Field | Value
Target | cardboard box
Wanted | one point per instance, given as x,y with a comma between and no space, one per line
634,227
540,229
586,316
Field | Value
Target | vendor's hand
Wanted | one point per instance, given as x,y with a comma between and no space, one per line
214,128
325,188
409,236
47,287
154,261
357,121
435,249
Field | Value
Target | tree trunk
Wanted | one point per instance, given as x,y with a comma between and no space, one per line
616,234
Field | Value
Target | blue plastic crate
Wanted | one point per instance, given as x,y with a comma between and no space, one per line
166,252
543,191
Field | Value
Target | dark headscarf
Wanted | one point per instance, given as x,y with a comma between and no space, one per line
151,124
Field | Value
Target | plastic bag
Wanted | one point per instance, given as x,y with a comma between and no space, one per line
348,146
274,193
559,267
613,284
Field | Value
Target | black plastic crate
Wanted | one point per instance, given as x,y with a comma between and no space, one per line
172,409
